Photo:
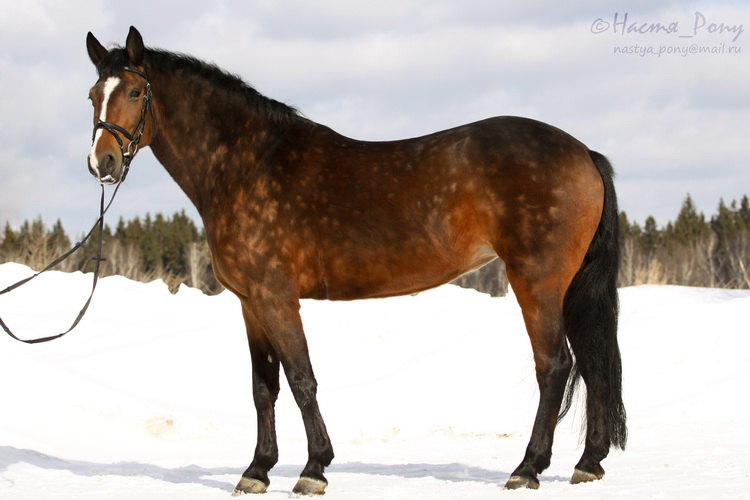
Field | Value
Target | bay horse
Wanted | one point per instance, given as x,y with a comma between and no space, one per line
294,210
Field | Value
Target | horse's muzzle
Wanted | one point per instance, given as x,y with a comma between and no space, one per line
106,169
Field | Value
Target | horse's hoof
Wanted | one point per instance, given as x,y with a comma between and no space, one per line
249,485
580,476
517,482
310,486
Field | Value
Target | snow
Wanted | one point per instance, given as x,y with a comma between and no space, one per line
429,396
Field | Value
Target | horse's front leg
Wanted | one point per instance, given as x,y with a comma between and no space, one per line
279,322
265,365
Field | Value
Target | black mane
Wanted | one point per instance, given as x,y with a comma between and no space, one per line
113,64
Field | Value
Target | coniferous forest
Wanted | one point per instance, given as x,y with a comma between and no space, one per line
172,248
693,250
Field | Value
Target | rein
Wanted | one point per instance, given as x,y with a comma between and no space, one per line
98,259
127,156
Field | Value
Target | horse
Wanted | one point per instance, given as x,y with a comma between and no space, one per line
293,209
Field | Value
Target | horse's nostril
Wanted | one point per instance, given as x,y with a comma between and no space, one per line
107,165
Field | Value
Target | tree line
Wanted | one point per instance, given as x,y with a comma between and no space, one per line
171,248
692,250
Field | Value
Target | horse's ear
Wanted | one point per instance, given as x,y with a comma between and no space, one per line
96,50
134,46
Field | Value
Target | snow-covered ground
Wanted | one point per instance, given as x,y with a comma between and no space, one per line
425,397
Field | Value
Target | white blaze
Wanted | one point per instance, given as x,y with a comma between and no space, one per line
109,86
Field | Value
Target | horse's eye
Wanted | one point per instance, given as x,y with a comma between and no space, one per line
134,93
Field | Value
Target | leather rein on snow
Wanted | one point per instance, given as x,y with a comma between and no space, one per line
98,259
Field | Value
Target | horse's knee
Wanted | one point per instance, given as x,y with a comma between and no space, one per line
265,381
304,389
264,394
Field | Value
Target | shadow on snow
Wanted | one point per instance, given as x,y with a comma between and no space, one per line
194,474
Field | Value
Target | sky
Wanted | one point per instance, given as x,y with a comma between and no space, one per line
669,106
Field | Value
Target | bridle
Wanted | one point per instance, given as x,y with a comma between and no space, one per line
129,152
127,156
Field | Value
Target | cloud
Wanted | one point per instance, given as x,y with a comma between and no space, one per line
388,70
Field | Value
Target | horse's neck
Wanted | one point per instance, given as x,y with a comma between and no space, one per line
189,142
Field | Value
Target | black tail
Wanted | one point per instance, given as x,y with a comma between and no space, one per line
590,312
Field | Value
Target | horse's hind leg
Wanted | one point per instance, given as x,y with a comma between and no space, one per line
541,305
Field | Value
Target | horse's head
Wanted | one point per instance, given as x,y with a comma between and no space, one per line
123,119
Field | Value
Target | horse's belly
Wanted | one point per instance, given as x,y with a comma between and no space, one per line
393,273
